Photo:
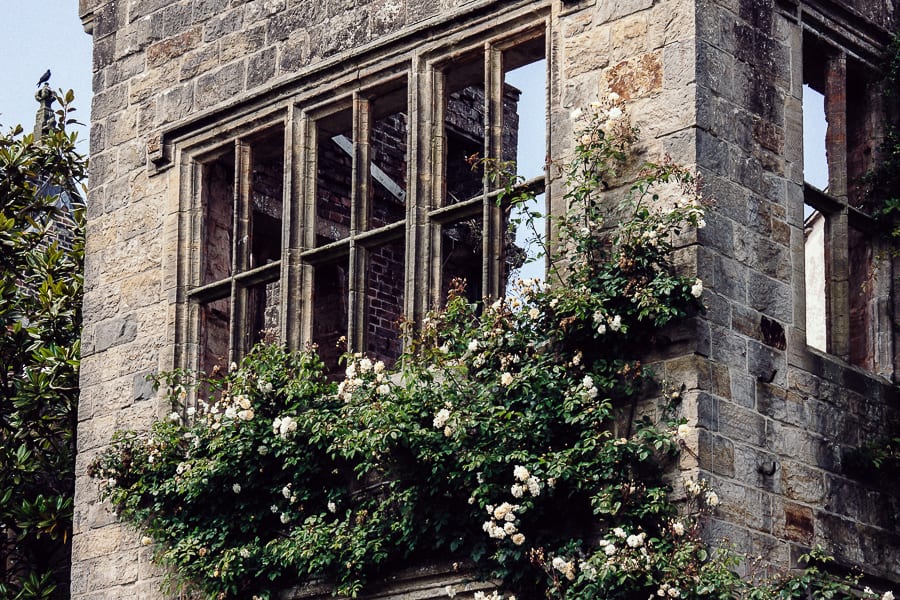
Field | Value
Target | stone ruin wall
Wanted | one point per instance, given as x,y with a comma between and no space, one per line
707,81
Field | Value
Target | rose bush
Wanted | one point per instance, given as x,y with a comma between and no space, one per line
498,441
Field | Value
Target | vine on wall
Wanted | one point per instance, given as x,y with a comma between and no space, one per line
493,443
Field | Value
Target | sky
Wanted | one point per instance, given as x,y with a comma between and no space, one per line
36,35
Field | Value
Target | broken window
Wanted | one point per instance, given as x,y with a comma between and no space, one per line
492,104
241,191
838,122
358,255
389,203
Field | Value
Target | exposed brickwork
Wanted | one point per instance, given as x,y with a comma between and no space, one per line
713,83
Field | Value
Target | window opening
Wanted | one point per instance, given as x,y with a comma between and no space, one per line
814,254
501,96
331,291
357,296
839,123
334,177
815,159
525,73
237,291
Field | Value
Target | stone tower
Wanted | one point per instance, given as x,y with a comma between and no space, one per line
226,187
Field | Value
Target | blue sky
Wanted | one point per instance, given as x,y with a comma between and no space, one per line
36,35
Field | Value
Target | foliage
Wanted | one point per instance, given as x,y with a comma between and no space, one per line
883,181
504,440
40,321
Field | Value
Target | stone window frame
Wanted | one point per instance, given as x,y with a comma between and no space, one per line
828,60
421,70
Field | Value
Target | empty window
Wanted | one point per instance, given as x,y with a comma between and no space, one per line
839,123
493,104
362,247
241,192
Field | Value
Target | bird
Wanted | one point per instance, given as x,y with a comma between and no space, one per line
44,78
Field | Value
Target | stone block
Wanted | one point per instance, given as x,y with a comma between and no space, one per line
165,51
770,297
636,77
798,523
114,332
802,483
766,364
218,86
741,424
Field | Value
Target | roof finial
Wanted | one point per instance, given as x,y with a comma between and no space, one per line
43,120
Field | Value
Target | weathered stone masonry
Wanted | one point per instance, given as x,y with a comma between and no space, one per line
717,84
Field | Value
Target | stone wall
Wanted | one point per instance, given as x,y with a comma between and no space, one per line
711,82
776,418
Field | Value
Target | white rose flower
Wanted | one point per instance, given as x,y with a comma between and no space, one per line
174,417
286,491
517,490
191,411
619,533
350,371
576,114
146,541
601,329
683,431
616,323
332,507
588,381
284,518
712,498
609,549
888,596
378,367
534,486
236,488
615,113
509,528
441,418
678,528
521,473
473,345
383,389
697,288
231,412
518,539
244,402
534,313
506,378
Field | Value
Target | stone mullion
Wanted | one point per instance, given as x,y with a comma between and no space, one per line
492,242
305,236
837,265
239,294
436,154
292,226
417,282
356,306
